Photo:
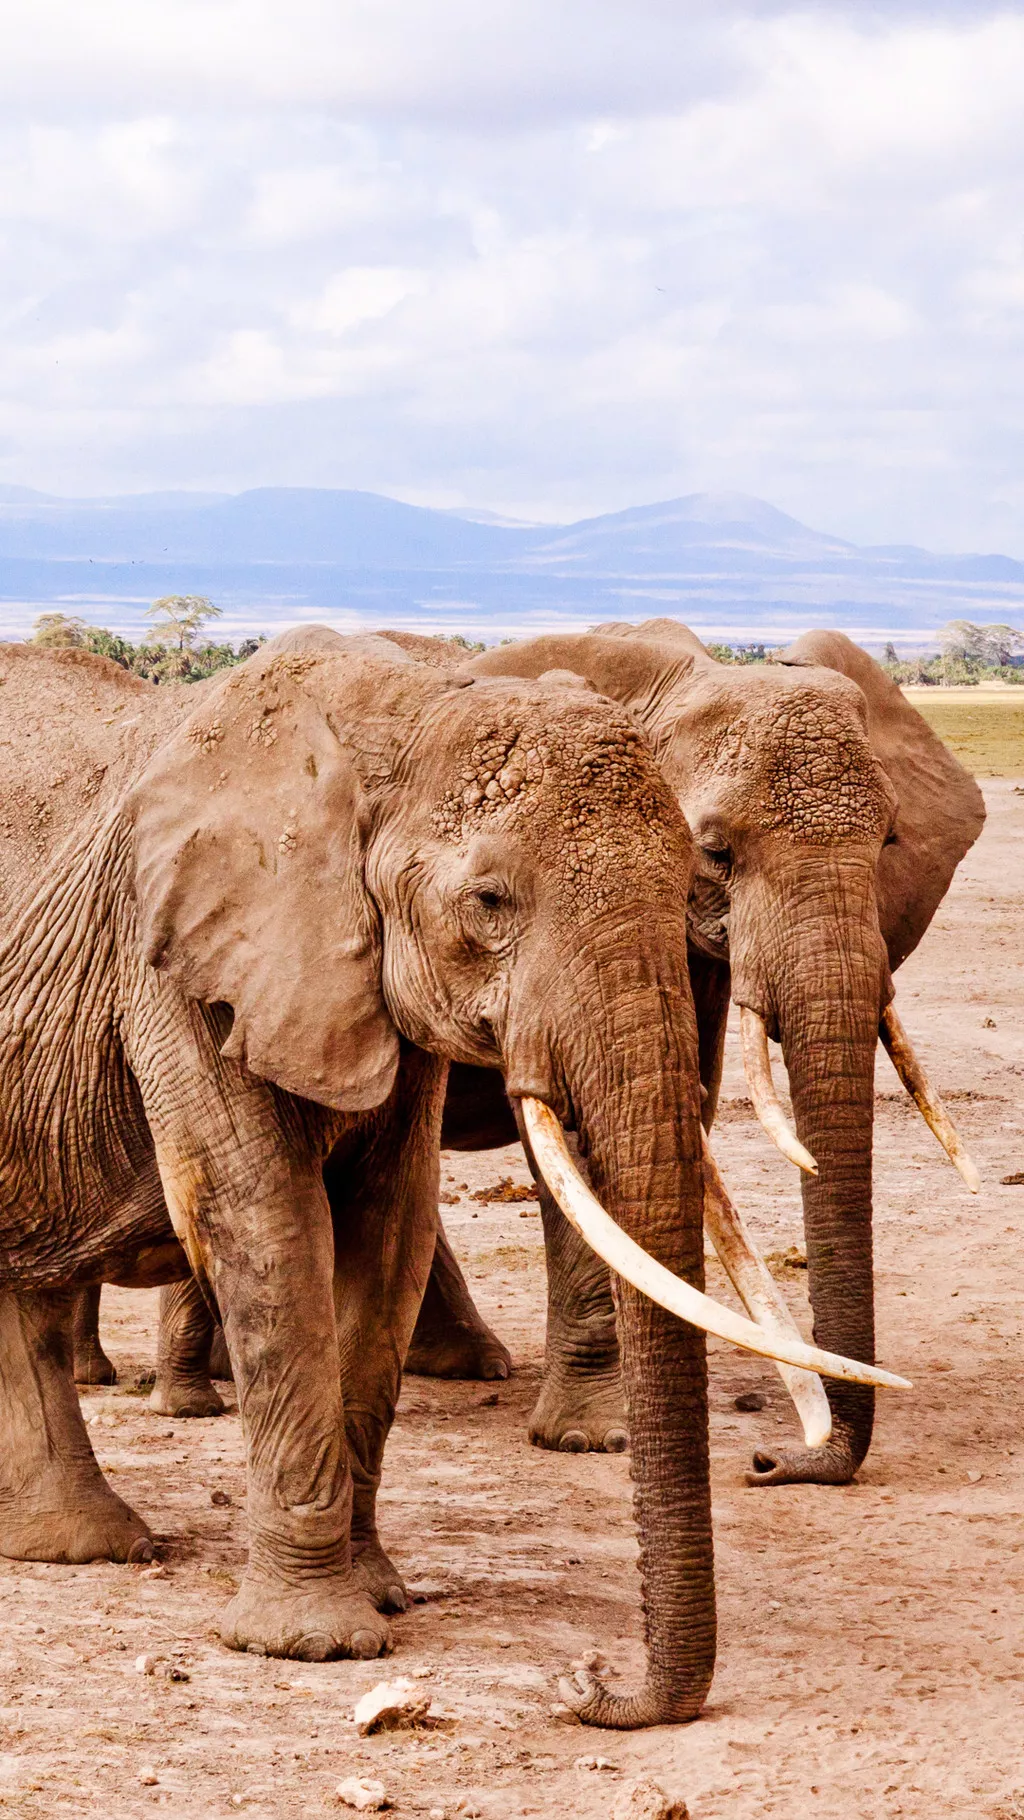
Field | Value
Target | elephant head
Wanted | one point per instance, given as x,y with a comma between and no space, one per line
351,851
827,822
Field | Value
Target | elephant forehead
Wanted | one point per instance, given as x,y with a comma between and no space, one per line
587,779
812,769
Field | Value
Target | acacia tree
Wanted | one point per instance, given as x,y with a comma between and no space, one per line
181,617
987,647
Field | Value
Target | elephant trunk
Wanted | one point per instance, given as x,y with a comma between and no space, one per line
821,989
626,1055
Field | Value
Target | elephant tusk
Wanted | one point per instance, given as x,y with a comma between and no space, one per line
760,1295
629,1261
920,1089
758,1069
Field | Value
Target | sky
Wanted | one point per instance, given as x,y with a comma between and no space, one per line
545,257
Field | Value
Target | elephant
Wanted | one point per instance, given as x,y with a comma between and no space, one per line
829,821
245,931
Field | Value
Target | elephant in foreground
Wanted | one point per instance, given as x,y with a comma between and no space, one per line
228,997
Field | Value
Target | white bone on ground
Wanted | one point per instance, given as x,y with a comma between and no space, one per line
390,1706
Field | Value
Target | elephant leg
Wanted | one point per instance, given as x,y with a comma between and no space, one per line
452,1339
55,1504
91,1363
581,1406
384,1207
254,1219
184,1342
220,1364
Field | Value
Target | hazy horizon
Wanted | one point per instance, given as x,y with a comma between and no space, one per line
548,263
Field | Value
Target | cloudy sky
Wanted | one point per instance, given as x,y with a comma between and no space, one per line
549,257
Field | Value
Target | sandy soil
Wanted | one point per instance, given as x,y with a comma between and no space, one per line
872,1638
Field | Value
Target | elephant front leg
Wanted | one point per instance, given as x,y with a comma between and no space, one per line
581,1406
91,1363
55,1504
451,1337
264,1240
184,1343
384,1206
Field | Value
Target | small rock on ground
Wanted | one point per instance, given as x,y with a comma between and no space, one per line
391,1706
647,1801
363,1793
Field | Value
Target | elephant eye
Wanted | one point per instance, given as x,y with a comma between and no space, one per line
719,858
490,896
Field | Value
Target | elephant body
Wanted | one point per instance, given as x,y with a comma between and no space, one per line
245,929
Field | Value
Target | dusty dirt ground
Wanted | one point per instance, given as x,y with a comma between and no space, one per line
871,1639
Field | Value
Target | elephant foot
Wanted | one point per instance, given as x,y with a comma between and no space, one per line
458,1350
181,1396
581,1414
330,1619
833,1464
90,1525
376,1575
92,1365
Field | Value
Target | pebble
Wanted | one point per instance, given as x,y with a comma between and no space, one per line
148,1777
488,1399
749,1401
974,1478
594,1763
220,1497
362,1792
647,1801
390,1706
153,1573
145,1665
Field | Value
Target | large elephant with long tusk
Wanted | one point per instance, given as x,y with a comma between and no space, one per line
828,822
227,1002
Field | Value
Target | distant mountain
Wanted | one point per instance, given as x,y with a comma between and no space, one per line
733,566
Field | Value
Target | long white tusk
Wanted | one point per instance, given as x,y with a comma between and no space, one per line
623,1255
758,1069
760,1296
920,1089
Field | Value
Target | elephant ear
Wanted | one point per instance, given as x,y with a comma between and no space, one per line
249,833
941,810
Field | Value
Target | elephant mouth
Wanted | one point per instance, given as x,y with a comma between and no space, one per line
771,1332
758,1069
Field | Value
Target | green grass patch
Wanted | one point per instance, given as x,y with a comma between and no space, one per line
986,736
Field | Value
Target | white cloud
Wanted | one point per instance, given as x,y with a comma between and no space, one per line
544,259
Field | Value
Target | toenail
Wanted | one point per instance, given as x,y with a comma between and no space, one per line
397,1599
315,1646
574,1441
616,1441
501,1369
140,1550
364,1645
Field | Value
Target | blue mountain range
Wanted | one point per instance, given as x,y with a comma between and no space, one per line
733,566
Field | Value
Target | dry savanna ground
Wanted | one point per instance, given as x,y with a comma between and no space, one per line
872,1638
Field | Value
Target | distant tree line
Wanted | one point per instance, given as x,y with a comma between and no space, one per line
969,654
744,654
176,651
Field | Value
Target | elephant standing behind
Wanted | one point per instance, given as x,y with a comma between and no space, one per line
828,821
